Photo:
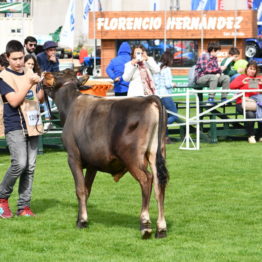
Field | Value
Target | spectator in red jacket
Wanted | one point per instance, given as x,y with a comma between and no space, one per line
82,54
243,82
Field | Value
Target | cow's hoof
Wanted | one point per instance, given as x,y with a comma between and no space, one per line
146,233
81,224
146,230
160,234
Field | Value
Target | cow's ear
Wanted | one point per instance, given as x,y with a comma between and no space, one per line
83,79
49,79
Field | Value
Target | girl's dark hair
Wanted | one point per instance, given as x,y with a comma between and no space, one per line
36,68
252,63
13,46
233,51
3,60
166,59
137,46
213,46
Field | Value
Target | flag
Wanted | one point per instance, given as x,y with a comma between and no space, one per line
68,30
87,6
203,4
220,5
154,5
256,5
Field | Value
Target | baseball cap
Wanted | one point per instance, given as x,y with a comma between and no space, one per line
49,44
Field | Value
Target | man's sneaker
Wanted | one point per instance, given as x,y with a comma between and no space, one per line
252,140
260,139
5,211
25,212
210,102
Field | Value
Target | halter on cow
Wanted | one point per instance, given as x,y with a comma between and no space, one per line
114,136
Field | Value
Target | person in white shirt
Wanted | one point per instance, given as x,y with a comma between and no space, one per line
139,72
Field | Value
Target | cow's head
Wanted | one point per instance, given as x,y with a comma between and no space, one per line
53,81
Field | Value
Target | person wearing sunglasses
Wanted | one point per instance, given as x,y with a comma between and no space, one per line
30,44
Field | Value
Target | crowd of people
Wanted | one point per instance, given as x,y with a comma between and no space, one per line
134,73
232,73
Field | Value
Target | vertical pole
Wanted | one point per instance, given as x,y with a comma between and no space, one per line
187,120
94,71
235,30
23,25
202,33
165,27
197,123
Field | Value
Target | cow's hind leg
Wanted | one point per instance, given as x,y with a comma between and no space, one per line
160,196
145,180
81,191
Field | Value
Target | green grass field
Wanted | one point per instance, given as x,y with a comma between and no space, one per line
213,212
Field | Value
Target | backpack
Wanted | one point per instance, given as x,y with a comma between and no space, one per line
192,76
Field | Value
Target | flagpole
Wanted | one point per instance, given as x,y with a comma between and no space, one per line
235,30
94,70
165,28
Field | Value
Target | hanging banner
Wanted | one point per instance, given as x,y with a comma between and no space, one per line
15,8
68,30
178,25
203,4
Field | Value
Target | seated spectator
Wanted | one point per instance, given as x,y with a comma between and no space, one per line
48,62
243,82
47,59
116,68
164,85
208,73
229,62
240,66
139,72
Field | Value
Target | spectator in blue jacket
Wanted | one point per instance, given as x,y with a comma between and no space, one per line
47,59
116,68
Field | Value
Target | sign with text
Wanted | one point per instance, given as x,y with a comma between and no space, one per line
179,24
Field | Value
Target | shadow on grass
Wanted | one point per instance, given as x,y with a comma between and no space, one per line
96,215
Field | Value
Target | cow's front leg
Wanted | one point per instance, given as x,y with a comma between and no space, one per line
81,191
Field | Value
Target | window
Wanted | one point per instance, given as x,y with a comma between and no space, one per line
184,51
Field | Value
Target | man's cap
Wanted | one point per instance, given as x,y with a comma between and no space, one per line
49,44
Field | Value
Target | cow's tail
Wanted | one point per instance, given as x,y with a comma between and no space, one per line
162,172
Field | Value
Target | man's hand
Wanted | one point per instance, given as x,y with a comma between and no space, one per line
52,58
34,79
223,68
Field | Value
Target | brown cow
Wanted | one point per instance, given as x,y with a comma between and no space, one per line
113,136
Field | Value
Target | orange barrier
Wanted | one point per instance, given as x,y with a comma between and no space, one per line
99,88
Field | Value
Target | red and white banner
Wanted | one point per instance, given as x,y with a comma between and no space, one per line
250,4
220,5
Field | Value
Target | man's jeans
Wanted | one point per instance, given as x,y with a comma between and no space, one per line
212,81
23,151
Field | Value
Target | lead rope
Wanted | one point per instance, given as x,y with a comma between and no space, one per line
21,122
